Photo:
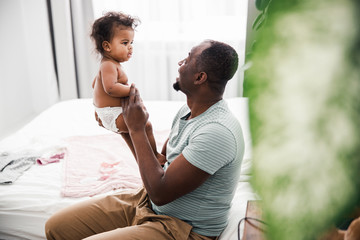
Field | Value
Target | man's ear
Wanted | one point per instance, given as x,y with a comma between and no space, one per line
201,77
106,46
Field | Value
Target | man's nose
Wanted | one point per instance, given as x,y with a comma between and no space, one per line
181,62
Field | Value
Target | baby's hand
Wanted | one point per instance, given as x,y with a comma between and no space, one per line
161,159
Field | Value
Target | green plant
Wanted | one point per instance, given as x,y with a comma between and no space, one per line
261,5
303,89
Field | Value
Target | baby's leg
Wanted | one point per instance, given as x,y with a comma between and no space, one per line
127,138
121,125
98,120
124,132
149,131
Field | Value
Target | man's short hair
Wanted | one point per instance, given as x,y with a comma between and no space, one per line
219,61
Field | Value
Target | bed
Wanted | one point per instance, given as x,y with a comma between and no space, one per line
30,198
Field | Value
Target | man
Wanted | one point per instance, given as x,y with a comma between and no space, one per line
190,196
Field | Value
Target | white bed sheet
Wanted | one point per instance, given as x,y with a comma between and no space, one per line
26,204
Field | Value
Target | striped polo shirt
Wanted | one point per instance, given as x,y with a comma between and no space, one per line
213,142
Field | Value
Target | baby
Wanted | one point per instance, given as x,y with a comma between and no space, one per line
113,35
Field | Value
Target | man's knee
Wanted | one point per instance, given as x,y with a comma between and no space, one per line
51,228
60,227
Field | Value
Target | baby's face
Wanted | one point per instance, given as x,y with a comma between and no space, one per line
121,44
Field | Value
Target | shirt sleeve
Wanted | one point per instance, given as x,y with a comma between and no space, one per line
210,147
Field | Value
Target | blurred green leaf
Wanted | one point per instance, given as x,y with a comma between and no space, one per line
261,4
258,21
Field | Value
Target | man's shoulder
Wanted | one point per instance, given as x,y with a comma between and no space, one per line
221,119
221,113
184,109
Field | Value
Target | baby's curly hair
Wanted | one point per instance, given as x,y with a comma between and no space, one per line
103,28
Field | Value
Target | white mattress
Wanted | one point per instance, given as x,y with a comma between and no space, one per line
26,204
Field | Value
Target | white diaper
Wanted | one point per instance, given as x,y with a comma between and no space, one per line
108,116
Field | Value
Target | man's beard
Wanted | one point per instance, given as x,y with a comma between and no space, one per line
176,86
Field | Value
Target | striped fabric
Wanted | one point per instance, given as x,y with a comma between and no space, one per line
213,142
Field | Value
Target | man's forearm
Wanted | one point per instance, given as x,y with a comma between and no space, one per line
150,169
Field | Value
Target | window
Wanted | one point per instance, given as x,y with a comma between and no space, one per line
168,30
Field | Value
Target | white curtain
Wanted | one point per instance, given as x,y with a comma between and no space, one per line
82,16
168,30
27,76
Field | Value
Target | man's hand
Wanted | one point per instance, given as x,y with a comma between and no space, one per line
134,111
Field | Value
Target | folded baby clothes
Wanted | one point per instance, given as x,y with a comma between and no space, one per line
13,165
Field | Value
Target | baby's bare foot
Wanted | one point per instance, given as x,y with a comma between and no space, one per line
161,158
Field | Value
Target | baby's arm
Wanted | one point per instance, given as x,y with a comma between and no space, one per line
93,84
110,75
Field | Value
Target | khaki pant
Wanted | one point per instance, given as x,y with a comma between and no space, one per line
124,216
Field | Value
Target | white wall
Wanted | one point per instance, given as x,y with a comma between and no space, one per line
27,76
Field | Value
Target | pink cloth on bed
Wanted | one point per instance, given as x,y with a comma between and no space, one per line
52,159
98,164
